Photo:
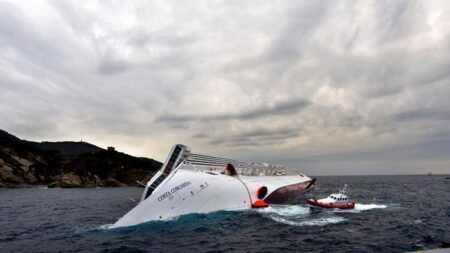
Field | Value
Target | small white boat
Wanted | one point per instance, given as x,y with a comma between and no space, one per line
334,200
197,183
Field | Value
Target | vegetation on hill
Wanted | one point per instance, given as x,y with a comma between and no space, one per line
68,147
68,164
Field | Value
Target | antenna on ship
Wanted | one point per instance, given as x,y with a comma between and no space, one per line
343,190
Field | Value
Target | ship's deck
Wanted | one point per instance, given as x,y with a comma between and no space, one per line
217,164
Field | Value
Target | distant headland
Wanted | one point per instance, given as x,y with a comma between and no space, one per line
68,164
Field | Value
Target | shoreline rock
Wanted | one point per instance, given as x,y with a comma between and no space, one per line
70,180
26,164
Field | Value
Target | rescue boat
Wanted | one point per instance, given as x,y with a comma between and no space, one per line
334,200
197,183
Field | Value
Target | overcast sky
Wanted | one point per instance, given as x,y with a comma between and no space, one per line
330,87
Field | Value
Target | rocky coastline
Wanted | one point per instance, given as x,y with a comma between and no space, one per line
68,165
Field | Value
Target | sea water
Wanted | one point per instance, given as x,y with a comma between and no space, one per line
392,214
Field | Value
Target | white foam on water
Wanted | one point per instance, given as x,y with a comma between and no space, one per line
360,207
364,207
295,215
286,210
105,226
313,222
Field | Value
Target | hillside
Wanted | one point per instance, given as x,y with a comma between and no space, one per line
68,164
68,147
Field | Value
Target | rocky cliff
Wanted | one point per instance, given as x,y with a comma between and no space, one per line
68,164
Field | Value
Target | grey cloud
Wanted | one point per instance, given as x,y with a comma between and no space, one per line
289,39
423,114
374,75
229,142
430,149
168,37
411,158
21,36
107,67
257,137
269,134
285,108
200,136
279,109
28,122
80,21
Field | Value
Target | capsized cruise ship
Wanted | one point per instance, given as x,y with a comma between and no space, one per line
197,183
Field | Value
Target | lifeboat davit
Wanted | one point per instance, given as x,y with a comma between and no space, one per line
334,200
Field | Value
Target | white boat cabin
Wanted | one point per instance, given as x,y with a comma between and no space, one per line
334,198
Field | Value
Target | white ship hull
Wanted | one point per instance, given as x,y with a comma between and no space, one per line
197,188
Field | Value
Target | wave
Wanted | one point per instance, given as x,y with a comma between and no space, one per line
364,207
296,215
312,222
286,210
300,215
361,207
105,226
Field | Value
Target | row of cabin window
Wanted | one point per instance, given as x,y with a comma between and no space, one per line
339,198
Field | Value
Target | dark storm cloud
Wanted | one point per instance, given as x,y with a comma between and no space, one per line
285,108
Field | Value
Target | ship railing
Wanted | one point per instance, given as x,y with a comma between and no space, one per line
264,171
214,163
181,153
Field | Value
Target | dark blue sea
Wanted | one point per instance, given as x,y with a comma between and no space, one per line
393,214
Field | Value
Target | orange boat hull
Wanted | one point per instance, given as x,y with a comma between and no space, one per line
347,205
